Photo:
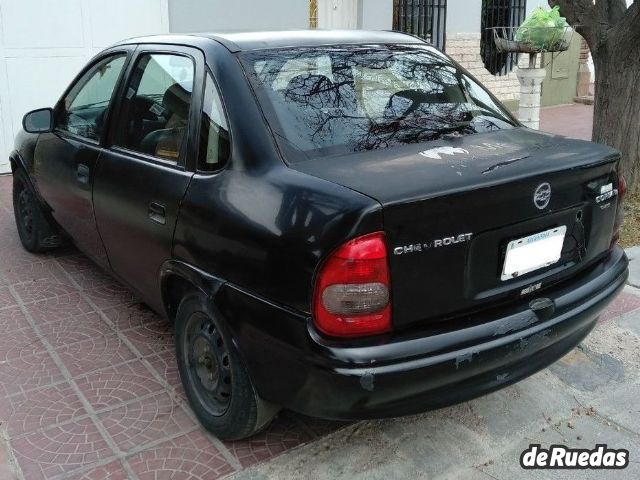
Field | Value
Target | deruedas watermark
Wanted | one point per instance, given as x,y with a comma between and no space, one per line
563,457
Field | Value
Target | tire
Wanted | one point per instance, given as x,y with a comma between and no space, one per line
213,374
36,233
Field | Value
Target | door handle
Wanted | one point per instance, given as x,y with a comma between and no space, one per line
82,173
157,213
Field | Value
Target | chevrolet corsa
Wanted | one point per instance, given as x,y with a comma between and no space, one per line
345,224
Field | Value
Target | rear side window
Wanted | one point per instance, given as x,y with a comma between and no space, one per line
82,111
158,99
342,99
214,132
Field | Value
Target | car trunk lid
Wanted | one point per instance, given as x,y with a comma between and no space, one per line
451,208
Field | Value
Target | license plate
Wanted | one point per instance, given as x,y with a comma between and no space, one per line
533,252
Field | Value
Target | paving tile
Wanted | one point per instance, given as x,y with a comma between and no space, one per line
182,396
5,189
71,330
28,373
9,236
61,449
6,299
7,467
59,308
125,317
12,319
42,289
113,386
624,303
6,207
102,351
52,405
145,421
19,343
91,278
282,435
167,367
6,201
75,262
110,295
110,471
45,269
154,338
191,456
12,255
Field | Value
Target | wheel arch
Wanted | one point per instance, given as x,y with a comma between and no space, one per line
16,161
177,278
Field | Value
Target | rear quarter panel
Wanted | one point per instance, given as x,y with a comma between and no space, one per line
267,232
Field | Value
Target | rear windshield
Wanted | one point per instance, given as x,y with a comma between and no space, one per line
342,99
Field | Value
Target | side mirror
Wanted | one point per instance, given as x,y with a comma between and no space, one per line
38,121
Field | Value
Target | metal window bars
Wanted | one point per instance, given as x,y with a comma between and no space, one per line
500,13
424,18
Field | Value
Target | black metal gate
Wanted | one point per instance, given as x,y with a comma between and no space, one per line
425,18
499,13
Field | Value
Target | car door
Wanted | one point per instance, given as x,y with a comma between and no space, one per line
144,173
65,159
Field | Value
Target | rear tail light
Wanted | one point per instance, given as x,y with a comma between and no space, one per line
622,190
351,295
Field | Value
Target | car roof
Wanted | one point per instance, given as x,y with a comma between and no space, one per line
256,40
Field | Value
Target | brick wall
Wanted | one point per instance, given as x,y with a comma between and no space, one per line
465,49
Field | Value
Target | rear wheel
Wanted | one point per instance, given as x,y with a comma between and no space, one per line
214,376
36,233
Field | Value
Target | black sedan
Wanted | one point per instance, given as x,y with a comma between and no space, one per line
345,224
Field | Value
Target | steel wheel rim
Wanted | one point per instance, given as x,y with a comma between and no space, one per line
208,364
25,210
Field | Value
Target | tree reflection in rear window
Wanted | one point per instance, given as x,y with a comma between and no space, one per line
336,100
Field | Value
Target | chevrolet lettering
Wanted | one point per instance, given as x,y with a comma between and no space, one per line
442,242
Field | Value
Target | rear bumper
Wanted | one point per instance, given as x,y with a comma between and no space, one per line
414,374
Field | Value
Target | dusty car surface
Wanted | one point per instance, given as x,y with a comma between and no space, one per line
345,224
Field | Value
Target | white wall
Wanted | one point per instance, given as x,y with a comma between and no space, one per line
188,16
340,14
44,43
377,14
463,16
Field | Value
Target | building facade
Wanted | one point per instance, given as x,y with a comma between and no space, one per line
44,43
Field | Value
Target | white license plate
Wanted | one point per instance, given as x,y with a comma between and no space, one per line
533,252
